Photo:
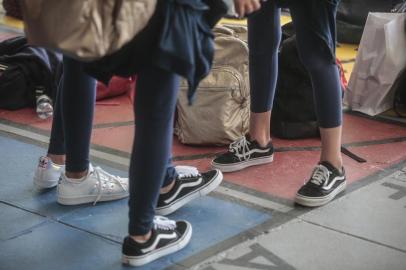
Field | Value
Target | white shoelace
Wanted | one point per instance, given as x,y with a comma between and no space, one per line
186,171
104,178
240,147
187,176
164,223
320,175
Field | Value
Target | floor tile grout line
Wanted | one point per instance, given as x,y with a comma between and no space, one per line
352,235
114,124
289,217
295,213
356,185
377,118
275,221
113,159
27,231
57,220
123,154
23,209
91,233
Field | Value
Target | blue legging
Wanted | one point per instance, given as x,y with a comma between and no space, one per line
157,91
314,21
73,119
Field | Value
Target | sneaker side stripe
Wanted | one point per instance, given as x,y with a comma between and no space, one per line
156,241
251,152
182,186
337,178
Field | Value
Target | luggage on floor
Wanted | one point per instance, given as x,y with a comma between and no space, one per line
352,16
399,100
26,73
117,86
12,8
293,113
220,113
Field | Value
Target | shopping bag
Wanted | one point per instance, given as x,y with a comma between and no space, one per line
381,56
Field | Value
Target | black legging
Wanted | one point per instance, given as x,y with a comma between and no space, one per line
73,119
157,92
314,22
73,116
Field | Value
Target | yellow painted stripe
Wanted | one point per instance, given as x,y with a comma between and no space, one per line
12,22
284,20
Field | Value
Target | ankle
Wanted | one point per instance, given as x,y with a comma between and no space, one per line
167,188
57,159
141,238
338,164
76,175
263,141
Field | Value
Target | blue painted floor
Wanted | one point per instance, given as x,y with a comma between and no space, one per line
38,233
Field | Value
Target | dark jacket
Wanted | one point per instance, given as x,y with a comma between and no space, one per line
178,38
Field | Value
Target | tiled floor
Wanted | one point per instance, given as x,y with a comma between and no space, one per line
249,222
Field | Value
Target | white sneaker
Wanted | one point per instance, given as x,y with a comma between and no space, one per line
47,173
97,186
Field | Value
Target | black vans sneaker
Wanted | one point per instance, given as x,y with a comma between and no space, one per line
243,153
167,237
325,183
188,187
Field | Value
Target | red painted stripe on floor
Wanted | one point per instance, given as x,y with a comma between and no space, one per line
119,109
119,138
290,170
27,117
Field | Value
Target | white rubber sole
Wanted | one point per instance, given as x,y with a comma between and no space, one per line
158,253
41,184
242,165
89,199
190,197
314,202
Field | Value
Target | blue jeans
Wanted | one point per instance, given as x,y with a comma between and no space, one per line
314,22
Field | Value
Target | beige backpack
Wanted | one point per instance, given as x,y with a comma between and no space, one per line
85,29
220,113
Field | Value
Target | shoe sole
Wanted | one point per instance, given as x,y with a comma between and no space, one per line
314,202
89,199
191,196
154,255
40,184
241,165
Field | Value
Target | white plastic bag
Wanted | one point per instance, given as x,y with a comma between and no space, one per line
381,56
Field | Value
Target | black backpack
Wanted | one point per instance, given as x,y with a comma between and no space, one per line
25,70
293,113
12,8
399,101
352,16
